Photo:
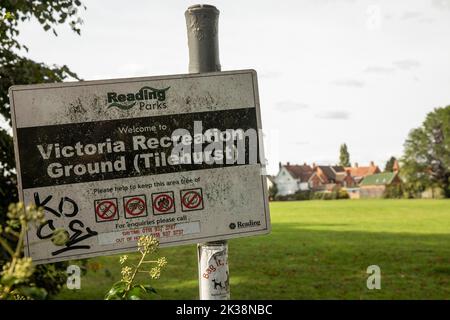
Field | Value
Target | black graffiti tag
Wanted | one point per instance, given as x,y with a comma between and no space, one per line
69,209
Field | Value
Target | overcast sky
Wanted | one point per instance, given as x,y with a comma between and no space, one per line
359,72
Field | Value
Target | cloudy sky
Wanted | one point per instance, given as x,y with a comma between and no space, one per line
330,71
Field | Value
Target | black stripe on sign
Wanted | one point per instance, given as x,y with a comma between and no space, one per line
34,168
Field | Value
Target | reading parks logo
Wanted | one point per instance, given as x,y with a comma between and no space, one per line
147,98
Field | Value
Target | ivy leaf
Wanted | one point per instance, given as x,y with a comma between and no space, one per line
136,293
149,289
32,292
117,290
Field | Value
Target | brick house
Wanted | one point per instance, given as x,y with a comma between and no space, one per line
332,177
375,185
358,173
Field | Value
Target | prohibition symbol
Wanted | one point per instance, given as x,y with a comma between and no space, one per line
163,203
135,206
106,210
191,199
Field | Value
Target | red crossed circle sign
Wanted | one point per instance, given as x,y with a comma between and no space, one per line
106,210
192,199
163,203
135,206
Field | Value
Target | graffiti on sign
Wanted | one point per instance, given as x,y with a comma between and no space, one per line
167,156
67,208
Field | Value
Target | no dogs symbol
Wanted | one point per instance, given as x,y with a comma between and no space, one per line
163,203
106,210
191,199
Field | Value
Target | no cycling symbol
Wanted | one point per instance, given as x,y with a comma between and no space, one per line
163,202
191,199
135,206
106,210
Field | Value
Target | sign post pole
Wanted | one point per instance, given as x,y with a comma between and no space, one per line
203,41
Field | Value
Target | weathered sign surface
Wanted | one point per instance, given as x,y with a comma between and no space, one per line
178,157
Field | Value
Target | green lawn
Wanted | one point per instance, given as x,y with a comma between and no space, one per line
317,250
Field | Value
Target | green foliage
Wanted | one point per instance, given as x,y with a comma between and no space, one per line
426,159
273,190
49,14
50,277
135,292
314,195
298,196
394,192
389,167
126,288
16,69
8,190
330,195
344,156
16,276
343,194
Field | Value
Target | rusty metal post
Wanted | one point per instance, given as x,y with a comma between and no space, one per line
203,40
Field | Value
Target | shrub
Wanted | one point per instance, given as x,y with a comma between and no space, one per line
343,194
16,276
127,288
393,192
314,195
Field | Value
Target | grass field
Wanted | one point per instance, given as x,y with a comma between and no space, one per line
317,250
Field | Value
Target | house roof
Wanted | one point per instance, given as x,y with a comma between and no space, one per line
331,171
338,168
378,179
362,171
301,172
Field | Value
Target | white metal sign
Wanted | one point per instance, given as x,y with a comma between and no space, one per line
178,157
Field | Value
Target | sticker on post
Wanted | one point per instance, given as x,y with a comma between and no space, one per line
106,210
163,203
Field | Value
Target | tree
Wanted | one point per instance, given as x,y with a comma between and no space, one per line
426,159
344,156
15,69
273,190
389,167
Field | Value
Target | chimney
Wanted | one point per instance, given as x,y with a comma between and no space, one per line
356,164
314,165
372,164
279,165
287,163
304,164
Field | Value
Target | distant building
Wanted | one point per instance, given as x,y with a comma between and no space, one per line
333,177
359,173
375,185
293,178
